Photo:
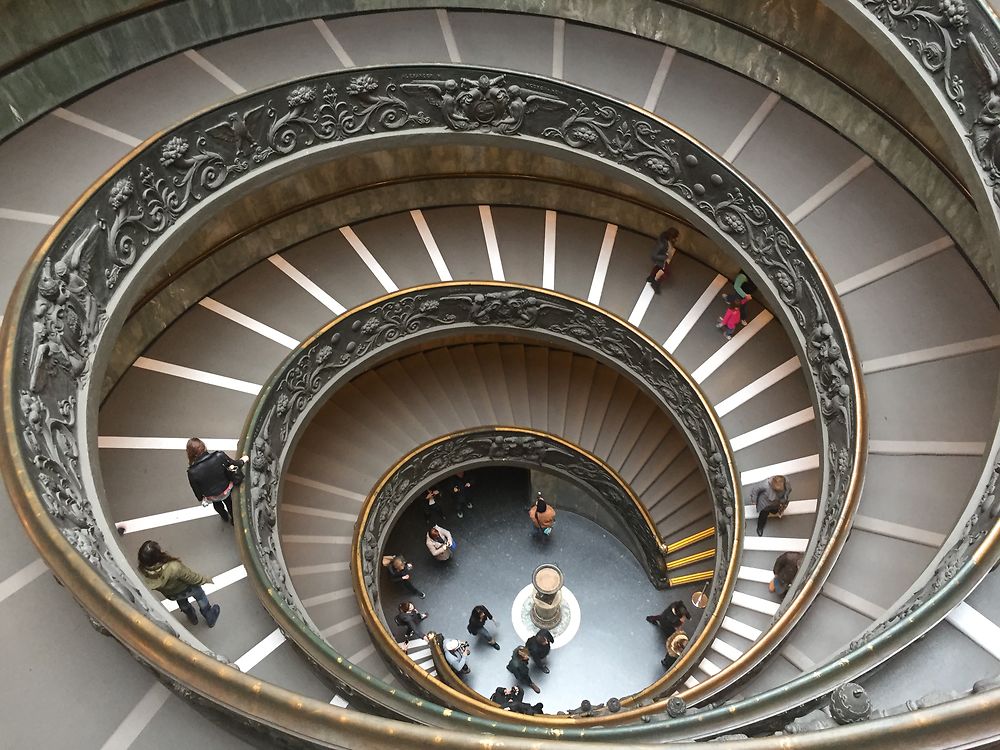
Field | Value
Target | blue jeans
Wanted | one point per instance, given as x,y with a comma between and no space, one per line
192,592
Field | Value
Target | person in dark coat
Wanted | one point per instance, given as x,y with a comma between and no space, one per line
539,646
518,666
786,567
671,619
213,476
401,572
433,511
481,624
662,256
512,699
460,489
409,618
770,497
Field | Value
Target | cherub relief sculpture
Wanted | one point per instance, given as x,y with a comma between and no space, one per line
67,316
468,104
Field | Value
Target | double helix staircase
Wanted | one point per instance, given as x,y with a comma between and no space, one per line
925,328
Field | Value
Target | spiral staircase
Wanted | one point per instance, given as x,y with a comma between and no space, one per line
921,315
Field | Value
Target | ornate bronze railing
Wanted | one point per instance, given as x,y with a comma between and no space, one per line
65,312
511,446
352,342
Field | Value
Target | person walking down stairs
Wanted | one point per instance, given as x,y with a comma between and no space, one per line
770,497
732,317
176,581
662,256
213,477
786,567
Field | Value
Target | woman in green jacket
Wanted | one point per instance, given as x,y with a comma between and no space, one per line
176,581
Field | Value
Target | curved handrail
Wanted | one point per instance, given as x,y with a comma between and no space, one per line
514,446
89,268
349,344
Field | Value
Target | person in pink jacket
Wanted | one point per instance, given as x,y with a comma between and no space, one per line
731,318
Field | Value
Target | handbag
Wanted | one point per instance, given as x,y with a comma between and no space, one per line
235,471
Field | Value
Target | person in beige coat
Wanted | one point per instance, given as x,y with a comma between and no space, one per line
543,516
440,543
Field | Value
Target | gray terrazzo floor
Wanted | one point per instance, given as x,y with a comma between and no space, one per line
614,653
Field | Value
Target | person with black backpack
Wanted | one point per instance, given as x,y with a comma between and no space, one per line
213,476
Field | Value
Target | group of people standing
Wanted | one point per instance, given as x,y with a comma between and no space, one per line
213,476
455,495
670,622
441,543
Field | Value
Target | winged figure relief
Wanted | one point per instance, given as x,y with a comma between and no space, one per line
242,130
524,102
443,95
486,102
66,315
985,132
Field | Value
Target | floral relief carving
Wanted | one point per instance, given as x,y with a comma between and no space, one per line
932,30
935,33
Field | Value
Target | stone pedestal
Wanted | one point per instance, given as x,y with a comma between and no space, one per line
546,603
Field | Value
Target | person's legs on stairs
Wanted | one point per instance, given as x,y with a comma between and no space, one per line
186,608
209,611
222,510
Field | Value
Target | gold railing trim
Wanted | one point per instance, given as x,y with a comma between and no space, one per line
705,575
687,541
690,559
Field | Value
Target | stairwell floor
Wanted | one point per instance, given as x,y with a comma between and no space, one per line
615,653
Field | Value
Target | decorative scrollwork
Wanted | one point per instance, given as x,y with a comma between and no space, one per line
99,249
635,142
932,31
52,444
